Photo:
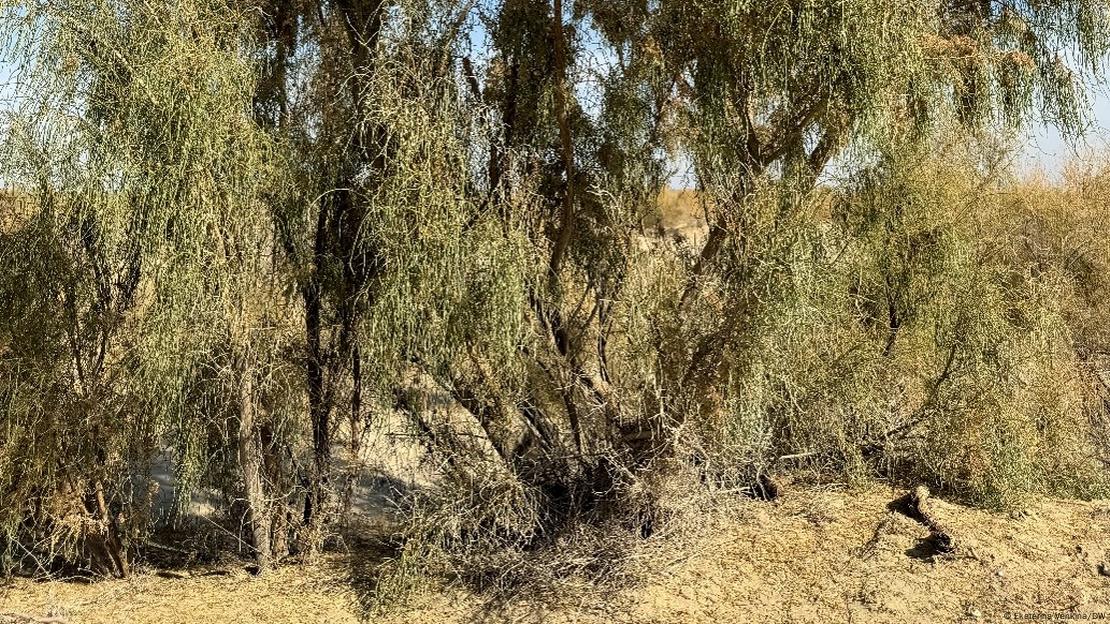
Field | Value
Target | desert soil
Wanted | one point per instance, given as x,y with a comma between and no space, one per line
813,555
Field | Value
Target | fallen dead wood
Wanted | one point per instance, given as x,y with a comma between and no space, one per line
916,504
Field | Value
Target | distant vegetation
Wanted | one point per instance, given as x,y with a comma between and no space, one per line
261,233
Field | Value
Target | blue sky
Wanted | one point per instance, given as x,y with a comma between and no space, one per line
5,77
1045,149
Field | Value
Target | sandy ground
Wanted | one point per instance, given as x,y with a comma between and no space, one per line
811,556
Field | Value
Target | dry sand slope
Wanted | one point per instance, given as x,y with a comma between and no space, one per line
811,556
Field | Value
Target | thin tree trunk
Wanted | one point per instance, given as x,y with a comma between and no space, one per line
319,410
113,542
277,473
250,461
566,225
356,402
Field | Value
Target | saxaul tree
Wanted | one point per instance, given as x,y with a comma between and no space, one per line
761,97
146,244
271,224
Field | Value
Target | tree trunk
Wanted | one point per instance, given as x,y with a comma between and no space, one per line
566,222
111,542
356,403
277,474
250,461
318,400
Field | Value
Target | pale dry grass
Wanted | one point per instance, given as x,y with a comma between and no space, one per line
815,555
